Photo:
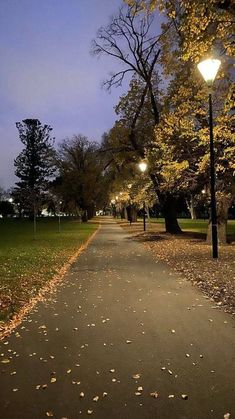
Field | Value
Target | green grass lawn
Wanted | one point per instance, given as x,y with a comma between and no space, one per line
27,264
199,226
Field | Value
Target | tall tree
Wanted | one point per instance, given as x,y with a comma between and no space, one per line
202,25
132,39
82,183
35,164
192,30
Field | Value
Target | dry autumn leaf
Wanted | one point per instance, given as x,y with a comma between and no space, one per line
154,394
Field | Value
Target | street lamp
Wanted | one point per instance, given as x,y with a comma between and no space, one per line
143,167
208,69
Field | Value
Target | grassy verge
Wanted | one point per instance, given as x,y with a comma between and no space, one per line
27,264
197,226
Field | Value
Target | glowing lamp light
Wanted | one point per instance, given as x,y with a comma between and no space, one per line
142,166
209,69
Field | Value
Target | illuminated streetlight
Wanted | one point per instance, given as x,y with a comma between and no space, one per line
208,69
143,167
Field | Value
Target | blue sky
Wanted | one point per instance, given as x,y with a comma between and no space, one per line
47,72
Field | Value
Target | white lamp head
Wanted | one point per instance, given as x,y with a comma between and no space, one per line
142,166
209,69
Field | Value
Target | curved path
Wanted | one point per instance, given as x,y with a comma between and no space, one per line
120,328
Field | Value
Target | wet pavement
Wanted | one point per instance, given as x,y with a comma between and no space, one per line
121,338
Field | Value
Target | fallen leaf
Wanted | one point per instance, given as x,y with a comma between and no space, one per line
53,380
49,414
154,394
136,376
95,399
184,396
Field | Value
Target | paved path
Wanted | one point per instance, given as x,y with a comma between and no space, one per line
119,314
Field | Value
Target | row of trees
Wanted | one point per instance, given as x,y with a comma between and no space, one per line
70,180
163,116
162,119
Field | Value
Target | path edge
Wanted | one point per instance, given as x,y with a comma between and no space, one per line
47,290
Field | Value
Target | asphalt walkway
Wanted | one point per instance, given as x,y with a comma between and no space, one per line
122,338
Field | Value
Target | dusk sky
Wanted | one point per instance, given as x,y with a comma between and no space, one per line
47,71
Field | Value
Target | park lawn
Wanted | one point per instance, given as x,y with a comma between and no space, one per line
197,226
26,264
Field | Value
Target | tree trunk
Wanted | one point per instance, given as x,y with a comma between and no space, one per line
122,212
168,202
191,207
131,213
134,214
223,204
169,207
84,216
221,230
90,212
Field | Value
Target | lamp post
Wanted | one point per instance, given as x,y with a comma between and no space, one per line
208,69
143,167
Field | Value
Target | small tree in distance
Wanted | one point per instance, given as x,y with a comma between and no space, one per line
35,164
